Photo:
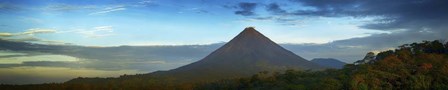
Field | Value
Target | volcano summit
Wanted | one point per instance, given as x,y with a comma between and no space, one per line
248,53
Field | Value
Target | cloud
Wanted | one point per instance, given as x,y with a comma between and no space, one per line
275,9
282,20
406,21
67,7
38,31
29,32
90,64
415,17
109,9
29,36
25,39
93,32
97,32
109,65
6,34
50,63
145,3
198,10
397,14
10,7
409,15
103,28
246,9
144,58
34,39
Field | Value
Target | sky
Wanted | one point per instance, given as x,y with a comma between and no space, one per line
310,28
166,22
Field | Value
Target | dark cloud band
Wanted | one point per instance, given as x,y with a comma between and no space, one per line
246,9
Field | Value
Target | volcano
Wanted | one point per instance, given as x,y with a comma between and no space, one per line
248,53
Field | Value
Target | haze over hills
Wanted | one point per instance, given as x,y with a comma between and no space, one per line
173,52
248,53
142,58
115,53
329,62
138,57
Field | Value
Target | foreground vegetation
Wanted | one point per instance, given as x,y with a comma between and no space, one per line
416,66
413,66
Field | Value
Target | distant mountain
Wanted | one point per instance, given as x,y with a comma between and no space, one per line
329,62
248,53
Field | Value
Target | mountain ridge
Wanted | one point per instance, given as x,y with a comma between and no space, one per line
329,62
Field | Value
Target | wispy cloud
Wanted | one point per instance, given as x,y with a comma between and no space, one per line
97,32
29,36
30,32
103,28
198,10
32,20
109,9
37,31
6,34
67,7
93,32
146,2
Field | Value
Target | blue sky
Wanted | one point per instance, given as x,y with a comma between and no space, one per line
166,22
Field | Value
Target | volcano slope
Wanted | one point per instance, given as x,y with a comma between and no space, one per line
246,54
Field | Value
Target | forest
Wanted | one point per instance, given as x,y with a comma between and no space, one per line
415,66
